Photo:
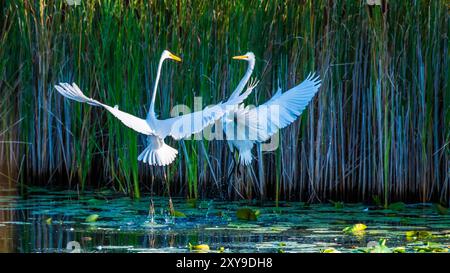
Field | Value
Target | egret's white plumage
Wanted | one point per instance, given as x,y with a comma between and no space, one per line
157,152
245,126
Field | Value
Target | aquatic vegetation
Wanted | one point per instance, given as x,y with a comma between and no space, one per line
92,218
199,248
178,214
337,205
418,235
247,214
329,250
441,209
192,202
398,206
356,229
380,247
431,247
124,226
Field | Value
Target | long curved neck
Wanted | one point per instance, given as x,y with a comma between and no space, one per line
151,111
244,80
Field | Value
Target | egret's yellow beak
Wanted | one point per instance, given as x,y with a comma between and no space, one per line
174,57
241,57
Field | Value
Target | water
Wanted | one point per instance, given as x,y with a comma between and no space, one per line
52,221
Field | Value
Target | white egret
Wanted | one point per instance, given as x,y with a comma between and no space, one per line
244,127
157,152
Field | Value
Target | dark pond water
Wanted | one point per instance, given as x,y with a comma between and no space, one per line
48,221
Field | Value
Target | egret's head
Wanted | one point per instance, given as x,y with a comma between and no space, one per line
249,57
168,55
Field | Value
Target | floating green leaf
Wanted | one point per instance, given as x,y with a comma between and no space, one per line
329,250
418,235
431,247
356,229
247,214
398,206
92,218
178,214
200,247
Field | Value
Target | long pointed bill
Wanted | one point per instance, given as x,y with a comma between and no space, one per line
242,57
174,57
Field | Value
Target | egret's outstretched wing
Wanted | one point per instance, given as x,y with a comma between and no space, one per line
189,124
283,108
73,92
185,125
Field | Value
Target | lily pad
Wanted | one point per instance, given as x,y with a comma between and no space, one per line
398,206
418,235
178,214
92,218
247,214
330,250
431,247
200,247
356,229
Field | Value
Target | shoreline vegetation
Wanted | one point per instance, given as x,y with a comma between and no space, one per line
378,131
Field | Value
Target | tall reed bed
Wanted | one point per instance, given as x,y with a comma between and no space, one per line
378,129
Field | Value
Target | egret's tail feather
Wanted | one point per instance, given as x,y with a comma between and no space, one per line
245,157
162,156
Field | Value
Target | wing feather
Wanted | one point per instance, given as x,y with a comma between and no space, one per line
189,124
283,108
73,92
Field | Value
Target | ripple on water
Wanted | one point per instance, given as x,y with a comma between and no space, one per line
123,224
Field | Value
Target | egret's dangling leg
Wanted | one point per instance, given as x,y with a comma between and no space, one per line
171,208
151,208
151,211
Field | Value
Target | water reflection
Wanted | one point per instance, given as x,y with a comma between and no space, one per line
47,221
7,192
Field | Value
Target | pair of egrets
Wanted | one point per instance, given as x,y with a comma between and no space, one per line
242,126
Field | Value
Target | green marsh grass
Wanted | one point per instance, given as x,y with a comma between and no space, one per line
380,125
